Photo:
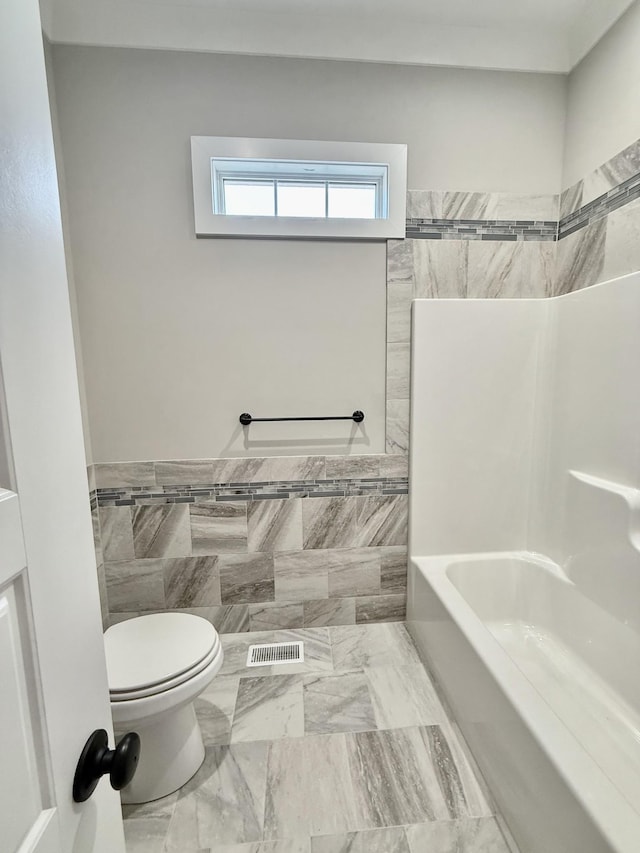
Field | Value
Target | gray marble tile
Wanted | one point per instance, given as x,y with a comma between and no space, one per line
440,268
191,582
225,618
116,533
268,709
457,836
510,270
246,578
146,824
622,243
215,707
397,426
328,522
337,703
514,206
393,569
104,597
389,840
91,477
398,370
354,571
121,474
275,525
424,204
394,465
272,617
161,531
287,845
115,618
466,205
381,608
218,527
332,611
264,469
394,778
338,467
580,258
399,260
615,171
184,471
399,296
287,803
403,696
97,536
382,520
317,652
224,801
330,786
571,200
135,585
356,647
301,575
461,791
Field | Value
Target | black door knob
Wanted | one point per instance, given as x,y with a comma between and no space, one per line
97,759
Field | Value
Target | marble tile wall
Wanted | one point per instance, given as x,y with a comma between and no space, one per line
245,556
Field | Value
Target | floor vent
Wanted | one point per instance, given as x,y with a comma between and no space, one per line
270,653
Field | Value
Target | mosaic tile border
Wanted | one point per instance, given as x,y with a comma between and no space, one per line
619,196
482,229
250,491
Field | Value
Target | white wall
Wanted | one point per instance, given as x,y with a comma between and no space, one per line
603,115
181,335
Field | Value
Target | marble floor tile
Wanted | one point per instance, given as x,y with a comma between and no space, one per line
246,578
317,652
463,793
382,520
330,611
218,527
161,531
300,845
328,522
274,616
381,608
403,696
146,824
287,803
275,525
457,836
268,709
215,707
330,791
224,802
301,575
116,533
191,582
391,840
359,646
394,778
337,703
135,585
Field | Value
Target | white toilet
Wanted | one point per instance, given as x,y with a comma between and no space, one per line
157,665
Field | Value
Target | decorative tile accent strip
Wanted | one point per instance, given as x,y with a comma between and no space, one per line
600,207
482,229
259,491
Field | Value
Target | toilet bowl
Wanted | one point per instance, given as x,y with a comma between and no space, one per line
157,665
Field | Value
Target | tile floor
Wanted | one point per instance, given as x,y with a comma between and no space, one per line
349,752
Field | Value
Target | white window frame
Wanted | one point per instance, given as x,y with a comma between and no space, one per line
208,223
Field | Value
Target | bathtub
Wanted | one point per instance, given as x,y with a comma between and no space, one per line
545,686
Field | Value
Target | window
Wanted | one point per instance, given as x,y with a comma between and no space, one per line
247,187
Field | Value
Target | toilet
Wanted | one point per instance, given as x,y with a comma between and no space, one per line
157,665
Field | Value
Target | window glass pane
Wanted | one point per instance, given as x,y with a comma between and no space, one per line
244,198
301,200
347,201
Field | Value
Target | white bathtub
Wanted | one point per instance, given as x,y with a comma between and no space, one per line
545,686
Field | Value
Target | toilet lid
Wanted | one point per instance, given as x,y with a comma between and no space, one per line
150,650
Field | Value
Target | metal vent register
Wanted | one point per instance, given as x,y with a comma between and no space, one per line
270,653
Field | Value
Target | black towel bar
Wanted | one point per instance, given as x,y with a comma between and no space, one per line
357,416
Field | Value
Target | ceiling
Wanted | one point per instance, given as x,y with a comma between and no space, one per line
522,35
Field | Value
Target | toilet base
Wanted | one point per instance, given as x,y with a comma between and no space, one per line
171,751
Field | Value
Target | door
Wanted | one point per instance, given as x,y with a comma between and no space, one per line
53,687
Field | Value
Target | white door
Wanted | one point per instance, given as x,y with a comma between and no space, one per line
53,687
